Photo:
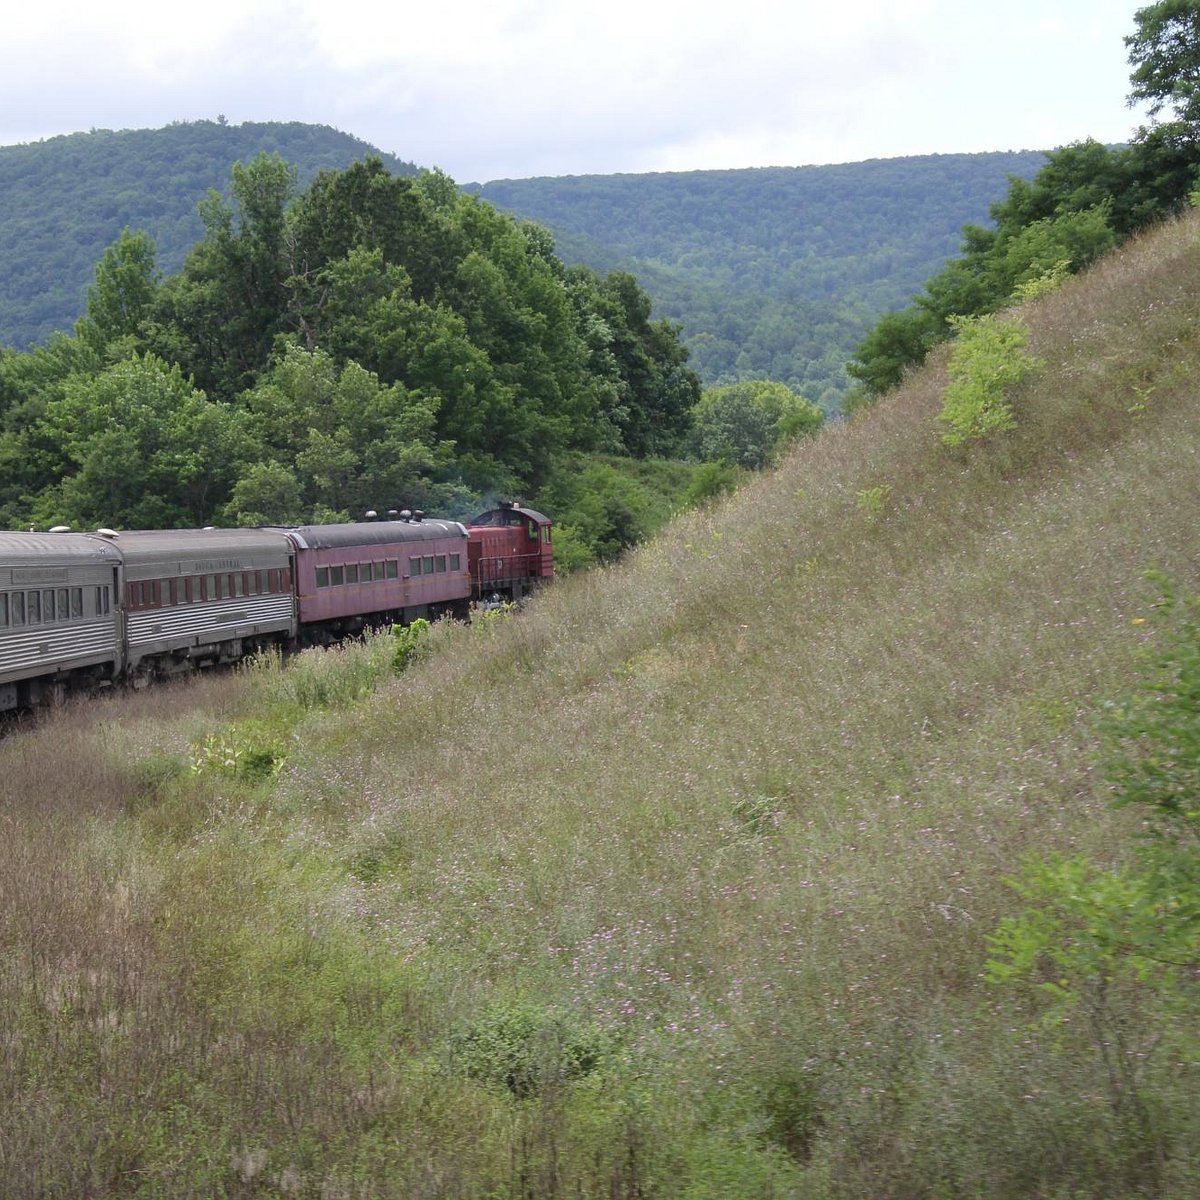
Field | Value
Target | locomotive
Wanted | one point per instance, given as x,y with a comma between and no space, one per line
85,610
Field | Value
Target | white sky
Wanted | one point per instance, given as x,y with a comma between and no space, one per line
489,89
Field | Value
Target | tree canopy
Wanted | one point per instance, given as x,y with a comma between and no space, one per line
369,341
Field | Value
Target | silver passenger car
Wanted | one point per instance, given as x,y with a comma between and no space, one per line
199,596
59,615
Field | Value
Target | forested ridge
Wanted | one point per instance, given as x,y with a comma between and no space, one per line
776,272
772,274
64,200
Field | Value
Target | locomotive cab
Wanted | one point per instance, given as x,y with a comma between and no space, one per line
510,552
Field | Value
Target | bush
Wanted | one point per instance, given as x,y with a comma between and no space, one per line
988,357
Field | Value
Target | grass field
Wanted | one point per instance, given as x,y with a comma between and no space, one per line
679,883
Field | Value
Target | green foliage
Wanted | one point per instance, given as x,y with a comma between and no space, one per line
526,1049
897,343
369,343
122,297
711,481
772,273
988,357
243,752
603,505
410,644
63,200
604,509
352,442
137,446
1085,200
747,424
871,501
1122,945
1165,55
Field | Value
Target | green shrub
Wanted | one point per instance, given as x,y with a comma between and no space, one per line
410,645
526,1049
1121,945
988,357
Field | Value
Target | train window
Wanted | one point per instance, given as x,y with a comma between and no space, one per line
62,605
239,584
210,587
439,564
251,583
414,567
18,608
285,579
77,602
3,609
455,562
33,607
48,606
533,530
322,577
337,576
392,568
428,567
545,533
263,585
352,572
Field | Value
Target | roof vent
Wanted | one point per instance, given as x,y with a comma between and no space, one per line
60,529
405,515
104,531
418,515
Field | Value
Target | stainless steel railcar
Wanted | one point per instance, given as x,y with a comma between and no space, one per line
201,596
60,620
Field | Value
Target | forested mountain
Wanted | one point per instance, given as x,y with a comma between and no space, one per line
63,201
777,272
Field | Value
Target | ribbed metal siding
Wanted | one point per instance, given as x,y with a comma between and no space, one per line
44,649
199,624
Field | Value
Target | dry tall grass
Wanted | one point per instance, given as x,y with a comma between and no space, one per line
678,883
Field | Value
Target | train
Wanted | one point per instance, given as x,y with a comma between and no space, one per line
83,611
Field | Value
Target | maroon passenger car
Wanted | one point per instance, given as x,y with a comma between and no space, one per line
349,577
510,552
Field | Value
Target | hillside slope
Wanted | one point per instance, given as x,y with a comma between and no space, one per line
65,200
678,883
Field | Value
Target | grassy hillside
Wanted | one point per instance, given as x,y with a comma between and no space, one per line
65,200
679,883
777,272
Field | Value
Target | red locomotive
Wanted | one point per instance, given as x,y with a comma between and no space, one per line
509,553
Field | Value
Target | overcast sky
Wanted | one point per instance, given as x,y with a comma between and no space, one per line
489,89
